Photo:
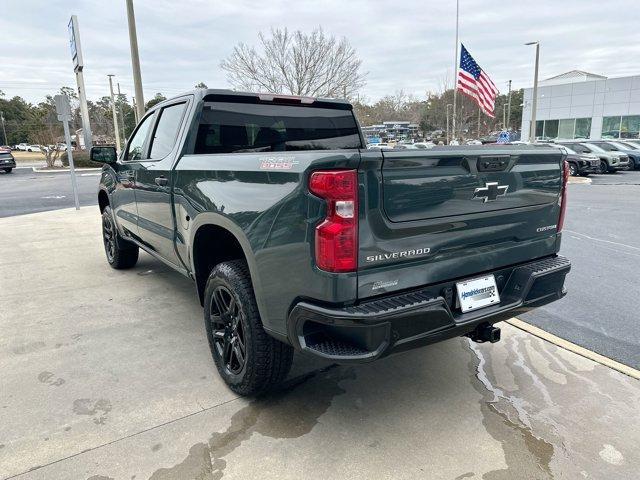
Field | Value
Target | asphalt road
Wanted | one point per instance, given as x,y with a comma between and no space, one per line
600,237
24,191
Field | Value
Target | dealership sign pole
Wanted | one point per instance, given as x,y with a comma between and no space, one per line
63,109
78,66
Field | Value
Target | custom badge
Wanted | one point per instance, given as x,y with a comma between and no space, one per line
277,163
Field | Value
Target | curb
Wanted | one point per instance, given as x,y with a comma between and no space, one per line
572,347
64,170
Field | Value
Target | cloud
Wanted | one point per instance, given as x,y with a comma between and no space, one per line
409,46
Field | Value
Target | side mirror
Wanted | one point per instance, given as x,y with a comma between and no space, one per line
103,154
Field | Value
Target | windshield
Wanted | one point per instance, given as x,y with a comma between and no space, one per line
595,148
623,146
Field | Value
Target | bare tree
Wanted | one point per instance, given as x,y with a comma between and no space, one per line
296,63
47,136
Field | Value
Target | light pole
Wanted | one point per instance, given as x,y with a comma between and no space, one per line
455,72
448,138
124,137
504,116
135,58
3,129
534,103
509,106
114,113
135,110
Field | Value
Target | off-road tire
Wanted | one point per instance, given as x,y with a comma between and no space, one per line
121,254
267,361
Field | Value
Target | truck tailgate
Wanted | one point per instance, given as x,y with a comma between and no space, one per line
450,213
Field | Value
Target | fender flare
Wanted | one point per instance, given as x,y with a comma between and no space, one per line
211,218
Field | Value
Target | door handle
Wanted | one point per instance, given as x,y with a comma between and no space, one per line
162,181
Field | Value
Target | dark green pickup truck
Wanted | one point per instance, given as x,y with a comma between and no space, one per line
298,237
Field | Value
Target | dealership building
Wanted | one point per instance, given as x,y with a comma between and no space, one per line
579,104
395,130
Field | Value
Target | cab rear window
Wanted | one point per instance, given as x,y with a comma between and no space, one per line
227,127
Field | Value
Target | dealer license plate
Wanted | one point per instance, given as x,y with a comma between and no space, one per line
477,293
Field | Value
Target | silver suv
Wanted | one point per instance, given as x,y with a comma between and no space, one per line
609,161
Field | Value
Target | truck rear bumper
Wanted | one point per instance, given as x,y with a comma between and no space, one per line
375,328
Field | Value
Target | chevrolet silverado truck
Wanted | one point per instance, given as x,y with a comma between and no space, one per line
298,237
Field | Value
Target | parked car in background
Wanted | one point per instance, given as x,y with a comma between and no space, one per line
34,148
60,147
609,161
635,142
614,146
406,146
379,146
424,145
579,163
7,162
22,147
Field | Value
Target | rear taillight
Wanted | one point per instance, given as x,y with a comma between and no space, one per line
563,195
336,239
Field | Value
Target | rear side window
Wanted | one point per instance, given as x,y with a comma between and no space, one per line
249,127
164,137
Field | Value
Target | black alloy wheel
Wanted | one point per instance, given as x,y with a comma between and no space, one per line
228,330
248,359
109,237
121,253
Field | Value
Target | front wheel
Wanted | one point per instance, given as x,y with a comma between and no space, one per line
121,254
573,170
8,170
250,361
604,167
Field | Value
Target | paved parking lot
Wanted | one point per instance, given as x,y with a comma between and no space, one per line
601,235
107,374
25,191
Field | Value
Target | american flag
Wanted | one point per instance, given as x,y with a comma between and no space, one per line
474,82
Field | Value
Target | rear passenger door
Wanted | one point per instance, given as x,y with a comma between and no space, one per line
153,181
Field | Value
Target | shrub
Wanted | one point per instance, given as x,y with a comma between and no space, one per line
80,160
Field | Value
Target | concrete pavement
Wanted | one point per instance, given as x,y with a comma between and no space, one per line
107,374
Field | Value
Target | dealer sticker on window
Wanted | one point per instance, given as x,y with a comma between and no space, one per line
477,293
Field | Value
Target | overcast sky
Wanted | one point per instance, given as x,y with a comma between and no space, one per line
404,45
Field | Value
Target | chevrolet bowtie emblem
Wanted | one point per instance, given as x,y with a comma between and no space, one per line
491,191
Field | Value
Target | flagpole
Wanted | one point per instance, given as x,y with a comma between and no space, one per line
455,74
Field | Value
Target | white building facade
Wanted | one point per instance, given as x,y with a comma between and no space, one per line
578,104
